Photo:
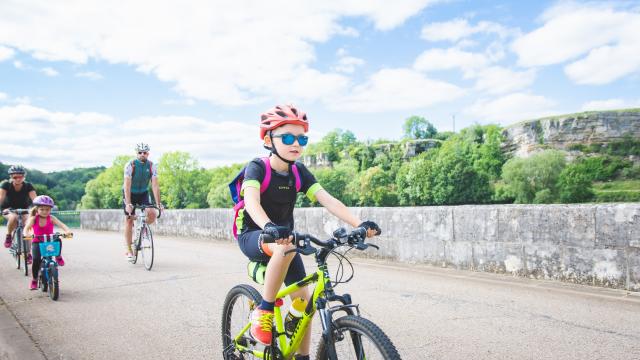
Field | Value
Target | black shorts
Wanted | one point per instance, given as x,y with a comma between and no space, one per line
251,247
136,199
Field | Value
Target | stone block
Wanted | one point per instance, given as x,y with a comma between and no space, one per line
617,225
475,223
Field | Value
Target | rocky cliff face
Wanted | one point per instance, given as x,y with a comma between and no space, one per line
559,132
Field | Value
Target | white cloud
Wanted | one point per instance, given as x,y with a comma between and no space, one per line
49,72
21,100
91,75
606,35
446,59
512,107
6,53
397,89
458,29
19,65
3,96
347,64
499,80
60,140
609,104
229,53
187,102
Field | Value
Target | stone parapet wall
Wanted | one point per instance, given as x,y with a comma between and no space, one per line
587,244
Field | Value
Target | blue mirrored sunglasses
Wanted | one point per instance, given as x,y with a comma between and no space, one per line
289,139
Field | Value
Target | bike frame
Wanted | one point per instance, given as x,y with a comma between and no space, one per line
17,249
44,267
322,294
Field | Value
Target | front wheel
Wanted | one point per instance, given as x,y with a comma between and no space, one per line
25,253
54,289
358,338
146,247
16,249
236,313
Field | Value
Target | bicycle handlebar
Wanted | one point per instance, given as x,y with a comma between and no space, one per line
143,207
15,211
56,236
340,237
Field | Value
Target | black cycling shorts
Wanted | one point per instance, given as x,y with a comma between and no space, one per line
136,199
252,247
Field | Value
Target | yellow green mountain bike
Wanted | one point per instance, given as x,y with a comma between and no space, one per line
344,336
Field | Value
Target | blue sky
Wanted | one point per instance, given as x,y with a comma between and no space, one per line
81,83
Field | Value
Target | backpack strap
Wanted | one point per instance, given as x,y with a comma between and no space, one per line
133,168
267,175
296,174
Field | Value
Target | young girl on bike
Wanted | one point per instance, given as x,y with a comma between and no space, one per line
41,222
282,129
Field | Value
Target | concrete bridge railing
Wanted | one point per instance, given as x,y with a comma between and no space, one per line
588,244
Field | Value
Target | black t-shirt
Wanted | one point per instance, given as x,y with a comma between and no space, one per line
16,199
279,200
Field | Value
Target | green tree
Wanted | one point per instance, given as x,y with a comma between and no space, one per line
335,142
105,191
524,177
219,195
413,181
454,180
575,183
417,127
374,187
182,183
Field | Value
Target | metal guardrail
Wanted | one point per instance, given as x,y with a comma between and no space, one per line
71,218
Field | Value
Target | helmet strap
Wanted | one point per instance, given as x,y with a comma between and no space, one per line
275,152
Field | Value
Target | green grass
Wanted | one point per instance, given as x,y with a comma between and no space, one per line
617,185
617,191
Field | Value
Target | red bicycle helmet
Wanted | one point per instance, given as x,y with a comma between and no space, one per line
281,115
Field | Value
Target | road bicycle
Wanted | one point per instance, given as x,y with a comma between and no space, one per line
143,240
349,336
48,276
19,247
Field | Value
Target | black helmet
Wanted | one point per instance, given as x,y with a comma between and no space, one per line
17,169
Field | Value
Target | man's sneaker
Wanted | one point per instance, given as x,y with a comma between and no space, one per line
7,241
34,284
261,324
29,259
60,260
129,256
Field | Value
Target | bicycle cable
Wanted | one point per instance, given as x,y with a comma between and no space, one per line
340,270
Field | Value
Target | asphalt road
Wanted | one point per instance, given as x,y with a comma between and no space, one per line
110,309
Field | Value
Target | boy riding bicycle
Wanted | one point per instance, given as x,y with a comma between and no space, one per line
270,211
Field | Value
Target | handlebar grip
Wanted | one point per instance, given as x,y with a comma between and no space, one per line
266,238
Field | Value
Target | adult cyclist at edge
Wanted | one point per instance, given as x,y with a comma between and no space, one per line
15,193
138,173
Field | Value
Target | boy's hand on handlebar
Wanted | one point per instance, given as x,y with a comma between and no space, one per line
281,234
372,228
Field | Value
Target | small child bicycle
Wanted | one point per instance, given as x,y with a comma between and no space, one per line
344,337
48,276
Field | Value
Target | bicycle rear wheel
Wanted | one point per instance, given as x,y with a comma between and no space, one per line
358,338
146,246
135,249
54,290
236,312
